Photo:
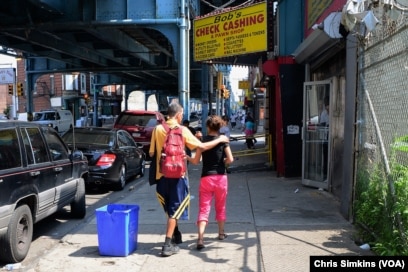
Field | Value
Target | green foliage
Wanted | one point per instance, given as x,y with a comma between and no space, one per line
382,212
401,144
6,111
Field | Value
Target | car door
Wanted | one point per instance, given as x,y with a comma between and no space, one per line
62,168
39,167
128,147
12,174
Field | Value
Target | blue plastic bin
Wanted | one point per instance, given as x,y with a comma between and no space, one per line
117,226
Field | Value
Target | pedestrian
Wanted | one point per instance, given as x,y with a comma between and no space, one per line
242,120
324,119
248,130
225,130
186,123
249,116
233,120
173,193
213,181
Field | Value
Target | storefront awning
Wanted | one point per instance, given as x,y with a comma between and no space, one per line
322,39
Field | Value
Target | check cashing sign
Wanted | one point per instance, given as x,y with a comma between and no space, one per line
235,32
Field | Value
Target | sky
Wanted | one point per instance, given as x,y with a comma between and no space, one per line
238,73
7,61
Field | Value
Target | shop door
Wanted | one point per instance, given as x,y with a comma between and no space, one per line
316,134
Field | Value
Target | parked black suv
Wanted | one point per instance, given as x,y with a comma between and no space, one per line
38,177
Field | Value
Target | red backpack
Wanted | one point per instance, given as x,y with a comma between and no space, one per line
172,160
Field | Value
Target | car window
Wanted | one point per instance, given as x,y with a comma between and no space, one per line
129,138
89,137
49,116
137,120
152,122
10,156
106,139
34,146
124,139
37,116
57,148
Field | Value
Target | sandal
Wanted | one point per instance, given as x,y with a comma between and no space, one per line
222,236
200,245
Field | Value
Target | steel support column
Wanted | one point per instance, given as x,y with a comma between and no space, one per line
29,88
184,57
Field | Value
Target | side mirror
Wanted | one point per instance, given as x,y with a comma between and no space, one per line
77,155
139,145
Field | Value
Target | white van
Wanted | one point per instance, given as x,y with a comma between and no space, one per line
60,120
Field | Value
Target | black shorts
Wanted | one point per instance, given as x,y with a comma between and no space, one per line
174,196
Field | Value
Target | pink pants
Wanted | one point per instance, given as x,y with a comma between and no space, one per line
213,186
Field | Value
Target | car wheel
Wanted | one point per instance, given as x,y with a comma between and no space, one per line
122,178
78,205
17,241
142,168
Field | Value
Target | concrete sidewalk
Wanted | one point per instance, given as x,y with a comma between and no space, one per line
274,224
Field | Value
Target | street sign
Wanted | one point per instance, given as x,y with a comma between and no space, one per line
7,75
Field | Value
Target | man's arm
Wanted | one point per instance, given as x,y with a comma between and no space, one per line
211,144
152,143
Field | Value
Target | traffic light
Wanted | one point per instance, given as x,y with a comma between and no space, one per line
221,93
226,94
10,89
87,99
20,89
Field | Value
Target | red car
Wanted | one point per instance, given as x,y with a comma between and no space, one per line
140,124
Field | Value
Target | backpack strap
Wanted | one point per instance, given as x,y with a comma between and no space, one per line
167,128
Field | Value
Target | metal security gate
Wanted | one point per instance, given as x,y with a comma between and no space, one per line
316,144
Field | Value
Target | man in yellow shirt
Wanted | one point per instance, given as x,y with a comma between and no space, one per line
173,194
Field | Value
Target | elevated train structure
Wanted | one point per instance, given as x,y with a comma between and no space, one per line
143,45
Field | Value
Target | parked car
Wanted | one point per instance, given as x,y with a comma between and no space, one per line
113,155
194,116
140,124
38,177
60,120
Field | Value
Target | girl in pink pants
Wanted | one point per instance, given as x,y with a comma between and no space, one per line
214,181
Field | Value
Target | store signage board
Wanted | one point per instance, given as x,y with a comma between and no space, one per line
243,84
234,32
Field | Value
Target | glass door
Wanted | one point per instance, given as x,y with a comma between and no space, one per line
316,134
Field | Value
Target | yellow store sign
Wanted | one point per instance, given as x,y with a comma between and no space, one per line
235,32
243,84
